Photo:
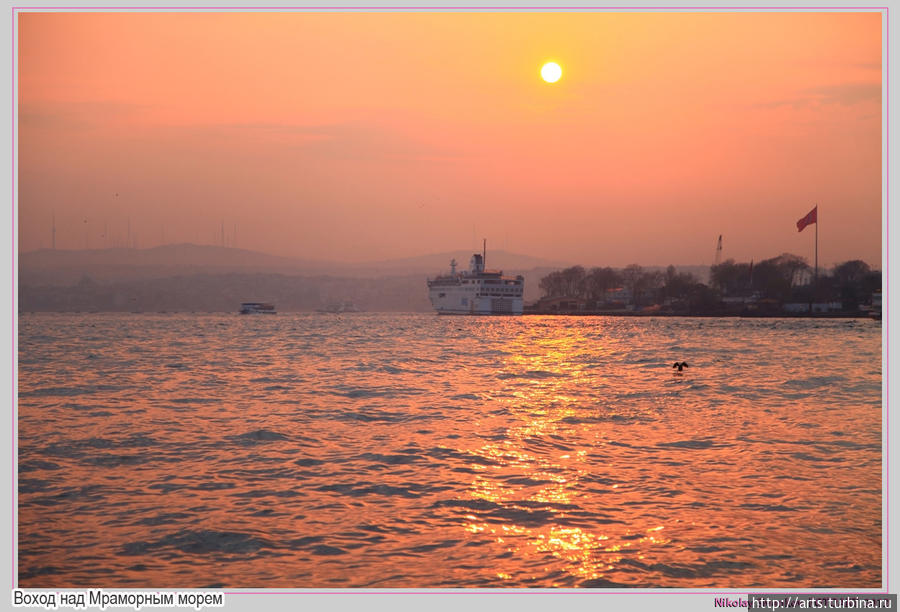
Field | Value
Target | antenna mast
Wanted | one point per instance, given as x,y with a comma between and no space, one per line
484,253
719,251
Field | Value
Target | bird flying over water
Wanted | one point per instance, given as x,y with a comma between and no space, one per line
680,366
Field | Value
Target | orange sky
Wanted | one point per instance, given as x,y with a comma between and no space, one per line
364,136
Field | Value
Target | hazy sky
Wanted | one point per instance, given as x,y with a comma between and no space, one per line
365,136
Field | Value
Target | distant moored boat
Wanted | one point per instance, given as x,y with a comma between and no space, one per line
339,308
257,308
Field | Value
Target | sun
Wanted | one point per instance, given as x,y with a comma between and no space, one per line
551,72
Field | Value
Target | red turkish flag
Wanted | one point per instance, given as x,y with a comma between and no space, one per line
809,218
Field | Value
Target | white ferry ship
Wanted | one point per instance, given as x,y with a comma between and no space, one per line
476,292
257,308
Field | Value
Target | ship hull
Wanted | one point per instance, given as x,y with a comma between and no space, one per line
451,302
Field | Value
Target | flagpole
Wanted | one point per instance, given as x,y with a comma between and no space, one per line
812,217
816,275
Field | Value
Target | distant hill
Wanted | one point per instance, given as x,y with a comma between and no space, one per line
225,292
212,278
440,263
64,267
170,255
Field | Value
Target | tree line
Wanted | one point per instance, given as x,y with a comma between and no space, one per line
789,278
781,279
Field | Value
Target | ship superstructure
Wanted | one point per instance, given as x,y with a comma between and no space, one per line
477,291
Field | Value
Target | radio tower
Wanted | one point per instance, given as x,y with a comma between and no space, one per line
719,251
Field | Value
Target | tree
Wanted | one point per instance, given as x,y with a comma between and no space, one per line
792,267
678,286
775,278
648,285
730,278
631,276
599,281
702,300
847,282
641,283
552,285
871,283
573,281
564,283
853,271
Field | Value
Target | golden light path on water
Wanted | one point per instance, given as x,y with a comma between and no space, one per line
587,555
542,411
416,451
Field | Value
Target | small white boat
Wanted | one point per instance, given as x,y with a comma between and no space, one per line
339,308
257,308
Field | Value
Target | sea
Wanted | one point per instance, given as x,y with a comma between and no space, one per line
416,451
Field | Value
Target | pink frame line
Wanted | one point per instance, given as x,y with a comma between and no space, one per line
209,9
886,577
526,591
14,411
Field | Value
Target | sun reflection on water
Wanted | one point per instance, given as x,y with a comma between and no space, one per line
541,395
310,451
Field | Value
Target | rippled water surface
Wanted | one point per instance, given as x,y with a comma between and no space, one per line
368,450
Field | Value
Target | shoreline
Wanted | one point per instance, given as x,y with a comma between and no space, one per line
743,315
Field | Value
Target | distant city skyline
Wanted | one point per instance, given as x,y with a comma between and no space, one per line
360,137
